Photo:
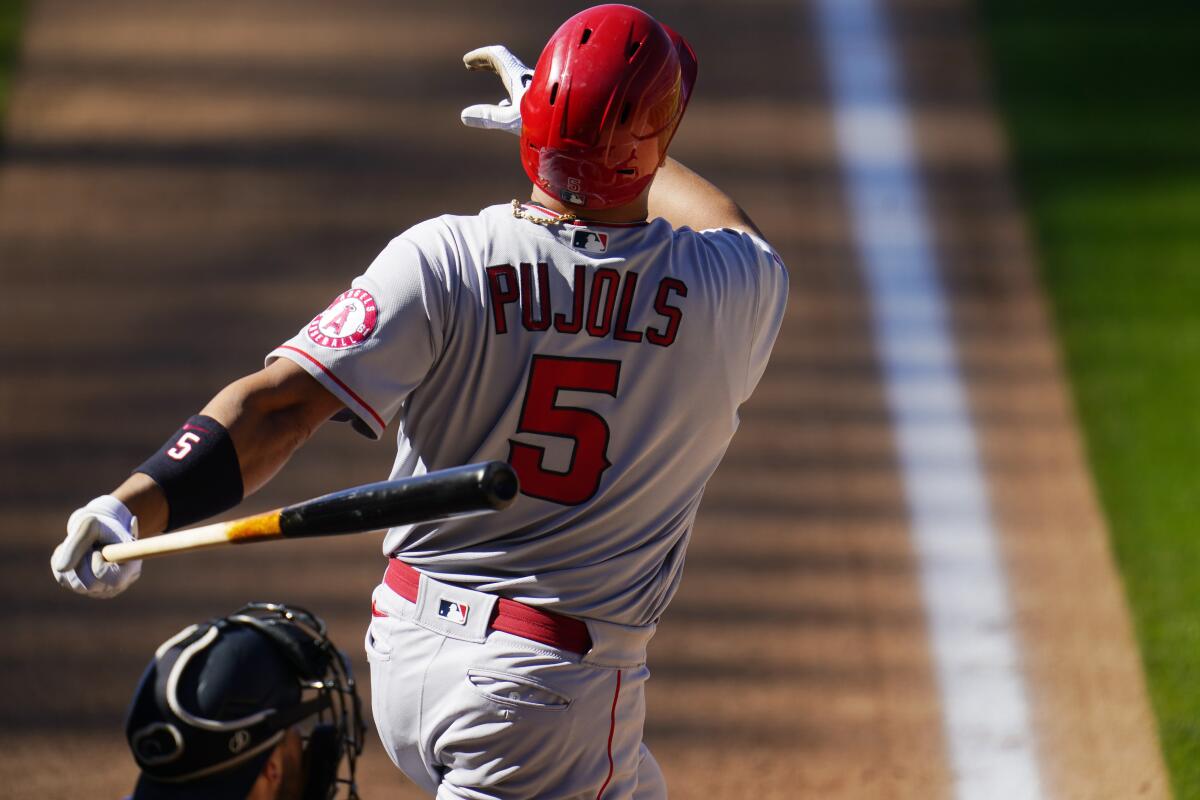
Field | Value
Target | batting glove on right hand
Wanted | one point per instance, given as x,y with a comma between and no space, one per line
77,563
505,115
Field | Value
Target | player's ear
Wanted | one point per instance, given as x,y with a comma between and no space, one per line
270,777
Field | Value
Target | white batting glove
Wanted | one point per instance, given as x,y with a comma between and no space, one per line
505,115
77,563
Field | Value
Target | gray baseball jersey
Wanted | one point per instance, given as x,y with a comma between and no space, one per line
606,363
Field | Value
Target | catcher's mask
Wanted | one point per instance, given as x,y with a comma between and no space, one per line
606,97
219,696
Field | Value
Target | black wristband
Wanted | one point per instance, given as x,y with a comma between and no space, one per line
198,472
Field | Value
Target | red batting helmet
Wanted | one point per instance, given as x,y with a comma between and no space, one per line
606,97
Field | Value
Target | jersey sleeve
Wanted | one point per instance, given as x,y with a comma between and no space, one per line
376,341
765,277
772,284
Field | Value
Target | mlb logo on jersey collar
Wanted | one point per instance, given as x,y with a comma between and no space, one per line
452,611
590,241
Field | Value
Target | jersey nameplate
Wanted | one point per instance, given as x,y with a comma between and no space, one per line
600,303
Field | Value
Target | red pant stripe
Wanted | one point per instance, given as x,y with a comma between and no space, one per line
612,727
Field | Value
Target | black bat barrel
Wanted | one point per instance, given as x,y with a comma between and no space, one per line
459,491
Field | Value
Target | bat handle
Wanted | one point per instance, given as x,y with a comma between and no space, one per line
248,529
158,545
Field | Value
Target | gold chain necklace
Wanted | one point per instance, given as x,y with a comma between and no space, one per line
520,213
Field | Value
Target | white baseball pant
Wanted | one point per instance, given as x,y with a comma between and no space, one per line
466,711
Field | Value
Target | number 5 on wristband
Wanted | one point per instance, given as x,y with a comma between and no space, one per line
198,471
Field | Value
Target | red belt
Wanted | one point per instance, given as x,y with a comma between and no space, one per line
556,630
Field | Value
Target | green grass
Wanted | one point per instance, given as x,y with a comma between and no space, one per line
1102,103
11,15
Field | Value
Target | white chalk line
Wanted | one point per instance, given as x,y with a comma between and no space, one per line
986,720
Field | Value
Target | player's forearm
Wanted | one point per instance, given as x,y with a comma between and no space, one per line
268,415
683,198
264,440
267,423
146,501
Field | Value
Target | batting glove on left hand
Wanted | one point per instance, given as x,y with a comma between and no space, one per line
77,563
505,115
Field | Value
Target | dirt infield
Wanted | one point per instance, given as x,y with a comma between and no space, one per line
184,185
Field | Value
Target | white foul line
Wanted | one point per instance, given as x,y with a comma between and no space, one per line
984,709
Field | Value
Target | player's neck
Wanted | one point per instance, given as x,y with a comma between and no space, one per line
637,211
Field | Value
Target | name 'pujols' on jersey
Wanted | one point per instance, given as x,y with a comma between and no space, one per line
600,305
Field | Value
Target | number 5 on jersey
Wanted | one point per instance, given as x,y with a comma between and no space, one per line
541,414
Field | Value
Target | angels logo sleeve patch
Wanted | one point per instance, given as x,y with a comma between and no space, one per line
348,320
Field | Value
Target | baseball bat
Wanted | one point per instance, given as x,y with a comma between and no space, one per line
444,494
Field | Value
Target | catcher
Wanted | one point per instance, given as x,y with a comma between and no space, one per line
257,705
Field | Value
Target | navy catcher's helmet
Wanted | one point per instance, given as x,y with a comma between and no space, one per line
218,697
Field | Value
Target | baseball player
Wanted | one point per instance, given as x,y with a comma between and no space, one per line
257,705
600,337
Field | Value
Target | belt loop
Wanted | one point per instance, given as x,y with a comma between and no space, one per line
620,646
